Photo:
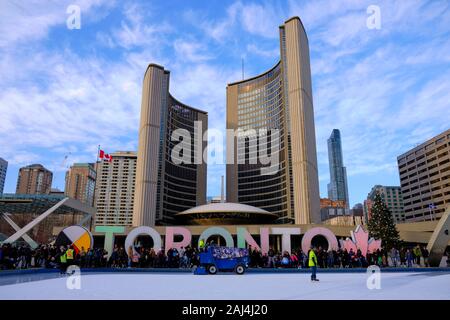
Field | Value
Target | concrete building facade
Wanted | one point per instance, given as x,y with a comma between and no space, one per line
281,99
3,169
80,182
163,187
392,197
34,179
425,178
114,190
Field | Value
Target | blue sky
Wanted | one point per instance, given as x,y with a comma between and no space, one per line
66,91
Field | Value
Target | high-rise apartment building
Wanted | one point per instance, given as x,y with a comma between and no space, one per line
278,99
392,197
3,169
425,178
337,188
114,190
167,186
34,179
80,182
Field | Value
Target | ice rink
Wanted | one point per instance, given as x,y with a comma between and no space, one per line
423,285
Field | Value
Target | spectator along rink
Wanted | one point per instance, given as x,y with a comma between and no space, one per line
253,285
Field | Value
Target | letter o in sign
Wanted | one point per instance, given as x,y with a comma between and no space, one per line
219,231
129,241
319,231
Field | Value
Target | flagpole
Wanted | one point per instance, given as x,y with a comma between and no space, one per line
98,151
95,185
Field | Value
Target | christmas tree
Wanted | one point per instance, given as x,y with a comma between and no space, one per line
381,224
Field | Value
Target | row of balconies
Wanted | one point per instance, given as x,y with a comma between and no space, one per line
437,176
428,161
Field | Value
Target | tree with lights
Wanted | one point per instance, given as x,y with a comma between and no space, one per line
381,224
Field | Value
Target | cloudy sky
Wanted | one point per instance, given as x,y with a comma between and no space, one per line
64,91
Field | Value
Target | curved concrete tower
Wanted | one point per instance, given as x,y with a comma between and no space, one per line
164,188
280,98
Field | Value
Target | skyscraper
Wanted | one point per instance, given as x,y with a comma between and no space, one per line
165,187
114,190
34,179
425,178
337,188
3,169
80,182
278,99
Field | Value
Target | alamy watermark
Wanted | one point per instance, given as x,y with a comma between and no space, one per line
374,19
253,147
74,278
74,19
373,278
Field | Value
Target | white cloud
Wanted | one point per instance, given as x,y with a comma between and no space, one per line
60,100
31,20
271,53
189,50
262,20
86,101
134,30
216,29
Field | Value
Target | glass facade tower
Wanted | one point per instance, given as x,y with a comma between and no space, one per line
278,100
337,188
165,187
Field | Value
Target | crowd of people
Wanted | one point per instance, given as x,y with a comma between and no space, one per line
407,257
50,256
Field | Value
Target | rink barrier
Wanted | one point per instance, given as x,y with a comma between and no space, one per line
250,270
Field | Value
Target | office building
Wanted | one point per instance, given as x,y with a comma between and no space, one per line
337,188
278,100
164,186
80,182
425,178
392,197
34,179
114,190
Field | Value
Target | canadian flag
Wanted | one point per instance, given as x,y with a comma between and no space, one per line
105,156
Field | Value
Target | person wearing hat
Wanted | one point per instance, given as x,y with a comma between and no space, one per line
312,263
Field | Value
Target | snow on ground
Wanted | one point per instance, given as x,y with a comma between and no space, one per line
423,285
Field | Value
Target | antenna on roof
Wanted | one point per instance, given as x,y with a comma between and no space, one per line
242,67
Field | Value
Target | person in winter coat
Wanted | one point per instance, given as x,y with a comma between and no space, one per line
271,258
409,258
417,255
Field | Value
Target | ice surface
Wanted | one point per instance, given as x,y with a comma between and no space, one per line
423,285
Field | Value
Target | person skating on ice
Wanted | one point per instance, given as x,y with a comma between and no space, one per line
312,263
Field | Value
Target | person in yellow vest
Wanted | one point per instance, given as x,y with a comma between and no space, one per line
70,255
62,260
201,245
312,263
